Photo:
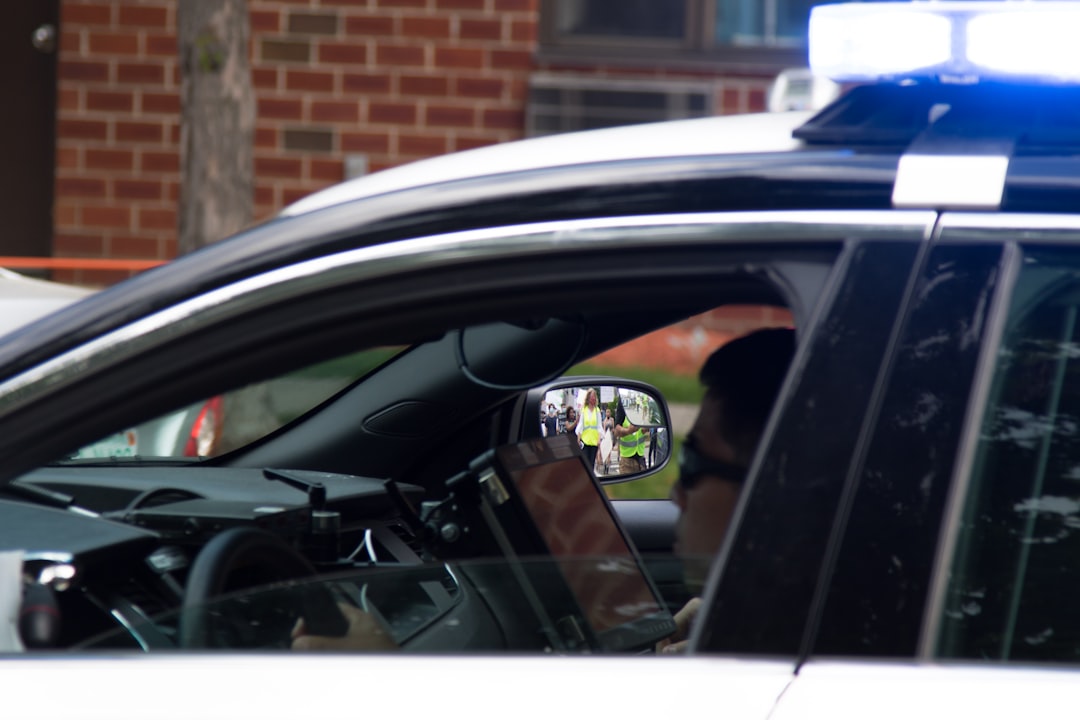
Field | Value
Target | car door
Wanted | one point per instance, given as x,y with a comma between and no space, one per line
952,583
760,597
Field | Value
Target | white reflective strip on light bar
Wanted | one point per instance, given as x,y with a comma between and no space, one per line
862,42
969,182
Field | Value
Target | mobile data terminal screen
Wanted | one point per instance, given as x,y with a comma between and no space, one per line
547,482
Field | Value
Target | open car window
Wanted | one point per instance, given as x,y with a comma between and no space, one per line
233,420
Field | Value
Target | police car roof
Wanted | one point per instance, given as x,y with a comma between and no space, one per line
724,135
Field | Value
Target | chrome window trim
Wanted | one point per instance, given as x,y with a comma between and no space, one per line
976,226
960,483
366,263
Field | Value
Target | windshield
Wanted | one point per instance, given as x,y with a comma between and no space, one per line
227,422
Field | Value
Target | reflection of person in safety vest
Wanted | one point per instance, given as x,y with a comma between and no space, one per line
631,441
590,428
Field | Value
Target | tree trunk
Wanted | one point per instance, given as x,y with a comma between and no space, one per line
217,121
217,186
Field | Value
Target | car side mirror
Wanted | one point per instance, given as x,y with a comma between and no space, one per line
628,435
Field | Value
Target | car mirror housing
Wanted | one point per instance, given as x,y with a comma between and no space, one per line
561,407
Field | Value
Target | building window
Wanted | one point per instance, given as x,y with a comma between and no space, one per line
769,34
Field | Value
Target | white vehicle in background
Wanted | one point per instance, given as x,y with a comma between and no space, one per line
191,432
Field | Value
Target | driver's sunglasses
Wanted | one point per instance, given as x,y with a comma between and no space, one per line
693,466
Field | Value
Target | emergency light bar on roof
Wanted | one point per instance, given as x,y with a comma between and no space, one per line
965,41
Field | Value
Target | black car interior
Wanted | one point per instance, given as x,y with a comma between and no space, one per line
338,491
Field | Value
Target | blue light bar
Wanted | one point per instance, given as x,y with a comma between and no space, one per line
970,41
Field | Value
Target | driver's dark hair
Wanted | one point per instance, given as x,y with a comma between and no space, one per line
745,374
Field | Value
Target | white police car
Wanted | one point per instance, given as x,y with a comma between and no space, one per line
906,541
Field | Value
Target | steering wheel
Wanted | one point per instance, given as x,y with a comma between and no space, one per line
243,557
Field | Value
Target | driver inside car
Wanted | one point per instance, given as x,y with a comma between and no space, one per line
741,379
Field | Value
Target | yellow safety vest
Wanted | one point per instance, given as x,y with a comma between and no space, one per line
632,444
590,426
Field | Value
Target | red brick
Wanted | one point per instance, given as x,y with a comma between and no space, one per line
266,137
512,59
291,195
392,113
459,4
309,80
352,53
729,101
516,5
523,31
110,101
139,132
756,101
265,21
82,129
70,42
167,162
365,142
172,132
399,55
67,158
79,244
84,71
133,246
95,14
401,3
114,43
157,219
165,103
467,142
68,99
110,159
475,87
422,145
481,30
424,85
331,171
137,189
459,58
365,83
146,16
379,26
278,167
426,27
141,73
65,215
108,216
264,195
348,112
354,3
80,187
161,45
281,109
445,116
264,78
172,191
504,119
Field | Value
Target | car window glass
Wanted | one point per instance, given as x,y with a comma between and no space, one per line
669,359
227,422
1016,567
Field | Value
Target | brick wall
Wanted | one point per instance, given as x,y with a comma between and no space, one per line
380,81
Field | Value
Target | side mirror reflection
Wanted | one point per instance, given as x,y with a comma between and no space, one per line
622,426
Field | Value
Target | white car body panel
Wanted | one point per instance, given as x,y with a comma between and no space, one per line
338,686
766,132
903,691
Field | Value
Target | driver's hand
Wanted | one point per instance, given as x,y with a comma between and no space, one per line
684,619
365,632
